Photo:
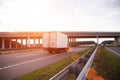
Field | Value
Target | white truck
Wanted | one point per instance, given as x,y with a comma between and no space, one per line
55,42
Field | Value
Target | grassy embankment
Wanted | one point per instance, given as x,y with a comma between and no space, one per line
106,66
47,72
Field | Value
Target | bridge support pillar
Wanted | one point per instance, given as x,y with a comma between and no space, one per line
3,43
70,40
21,43
117,41
38,41
10,44
74,39
28,41
97,40
16,46
34,42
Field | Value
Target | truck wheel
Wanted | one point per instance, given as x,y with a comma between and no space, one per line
50,52
53,52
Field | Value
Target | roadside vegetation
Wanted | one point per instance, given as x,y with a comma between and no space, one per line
47,72
106,66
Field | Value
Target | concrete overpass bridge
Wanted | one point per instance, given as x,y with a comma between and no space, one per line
7,37
73,35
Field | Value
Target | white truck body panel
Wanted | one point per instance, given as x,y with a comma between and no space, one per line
55,40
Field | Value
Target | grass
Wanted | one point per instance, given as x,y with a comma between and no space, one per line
71,77
47,72
106,65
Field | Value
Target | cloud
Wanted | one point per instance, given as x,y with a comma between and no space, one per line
114,3
76,14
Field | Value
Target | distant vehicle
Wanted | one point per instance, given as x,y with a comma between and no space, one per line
55,42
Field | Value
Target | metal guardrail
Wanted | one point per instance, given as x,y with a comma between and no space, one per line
61,75
82,75
113,51
63,72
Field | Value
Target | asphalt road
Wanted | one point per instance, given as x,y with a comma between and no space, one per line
115,50
16,65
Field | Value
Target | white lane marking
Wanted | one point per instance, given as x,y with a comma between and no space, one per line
25,55
113,51
18,64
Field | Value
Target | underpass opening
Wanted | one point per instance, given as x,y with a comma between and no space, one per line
92,41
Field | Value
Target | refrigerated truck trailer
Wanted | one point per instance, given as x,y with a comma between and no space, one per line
55,42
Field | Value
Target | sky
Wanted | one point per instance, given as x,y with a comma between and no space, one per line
60,15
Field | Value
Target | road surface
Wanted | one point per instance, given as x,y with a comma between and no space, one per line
16,65
115,50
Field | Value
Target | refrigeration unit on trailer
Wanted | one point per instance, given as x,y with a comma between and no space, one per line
55,42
